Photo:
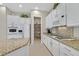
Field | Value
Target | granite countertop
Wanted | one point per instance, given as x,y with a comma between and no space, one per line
9,45
73,43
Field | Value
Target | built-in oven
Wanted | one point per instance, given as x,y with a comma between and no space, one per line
12,30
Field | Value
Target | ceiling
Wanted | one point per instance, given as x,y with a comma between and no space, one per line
28,7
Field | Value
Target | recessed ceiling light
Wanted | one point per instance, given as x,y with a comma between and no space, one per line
20,5
36,8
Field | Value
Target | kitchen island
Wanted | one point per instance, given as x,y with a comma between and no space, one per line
10,45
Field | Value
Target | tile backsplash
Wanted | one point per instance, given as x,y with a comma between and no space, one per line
76,32
65,32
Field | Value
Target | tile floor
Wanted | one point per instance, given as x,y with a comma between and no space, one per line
38,49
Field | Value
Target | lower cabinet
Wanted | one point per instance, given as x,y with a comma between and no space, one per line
51,44
24,51
67,51
64,51
57,48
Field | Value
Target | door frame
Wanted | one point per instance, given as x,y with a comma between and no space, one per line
32,27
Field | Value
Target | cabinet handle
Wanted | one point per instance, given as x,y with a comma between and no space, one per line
62,16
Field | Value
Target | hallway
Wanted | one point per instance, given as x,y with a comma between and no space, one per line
38,49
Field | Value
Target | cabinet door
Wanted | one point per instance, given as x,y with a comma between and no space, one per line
27,27
49,43
49,20
46,19
61,14
45,40
68,51
55,18
72,14
24,51
55,48
64,51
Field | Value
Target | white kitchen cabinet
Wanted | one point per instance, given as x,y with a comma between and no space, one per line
53,12
67,51
64,14
55,48
52,45
46,19
18,23
14,22
59,49
55,18
72,10
60,15
49,20
67,14
48,42
24,51
45,40
27,29
64,51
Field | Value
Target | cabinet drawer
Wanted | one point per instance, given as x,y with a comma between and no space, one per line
68,50
63,53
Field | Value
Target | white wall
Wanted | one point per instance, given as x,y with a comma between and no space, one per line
3,22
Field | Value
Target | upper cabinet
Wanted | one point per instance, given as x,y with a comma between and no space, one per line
57,17
72,10
63,14
60,15
49,21
68,14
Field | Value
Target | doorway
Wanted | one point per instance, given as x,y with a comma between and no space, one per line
37,28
